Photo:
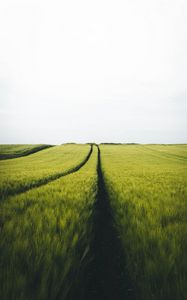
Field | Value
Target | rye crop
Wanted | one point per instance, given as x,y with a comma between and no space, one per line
147,192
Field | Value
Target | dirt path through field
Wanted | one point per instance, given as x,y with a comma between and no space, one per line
106,277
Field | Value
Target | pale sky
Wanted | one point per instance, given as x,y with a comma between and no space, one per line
103,71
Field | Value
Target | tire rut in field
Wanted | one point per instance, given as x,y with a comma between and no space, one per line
106,276
51,178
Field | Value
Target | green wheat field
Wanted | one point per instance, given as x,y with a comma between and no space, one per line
65,209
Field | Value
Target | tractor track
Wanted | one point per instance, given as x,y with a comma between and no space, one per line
106,275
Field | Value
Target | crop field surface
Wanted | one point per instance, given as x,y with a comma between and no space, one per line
45,236
94,222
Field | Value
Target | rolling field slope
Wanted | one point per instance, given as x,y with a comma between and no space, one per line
20,174
18,150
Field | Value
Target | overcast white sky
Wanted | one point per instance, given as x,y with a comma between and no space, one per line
93,71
